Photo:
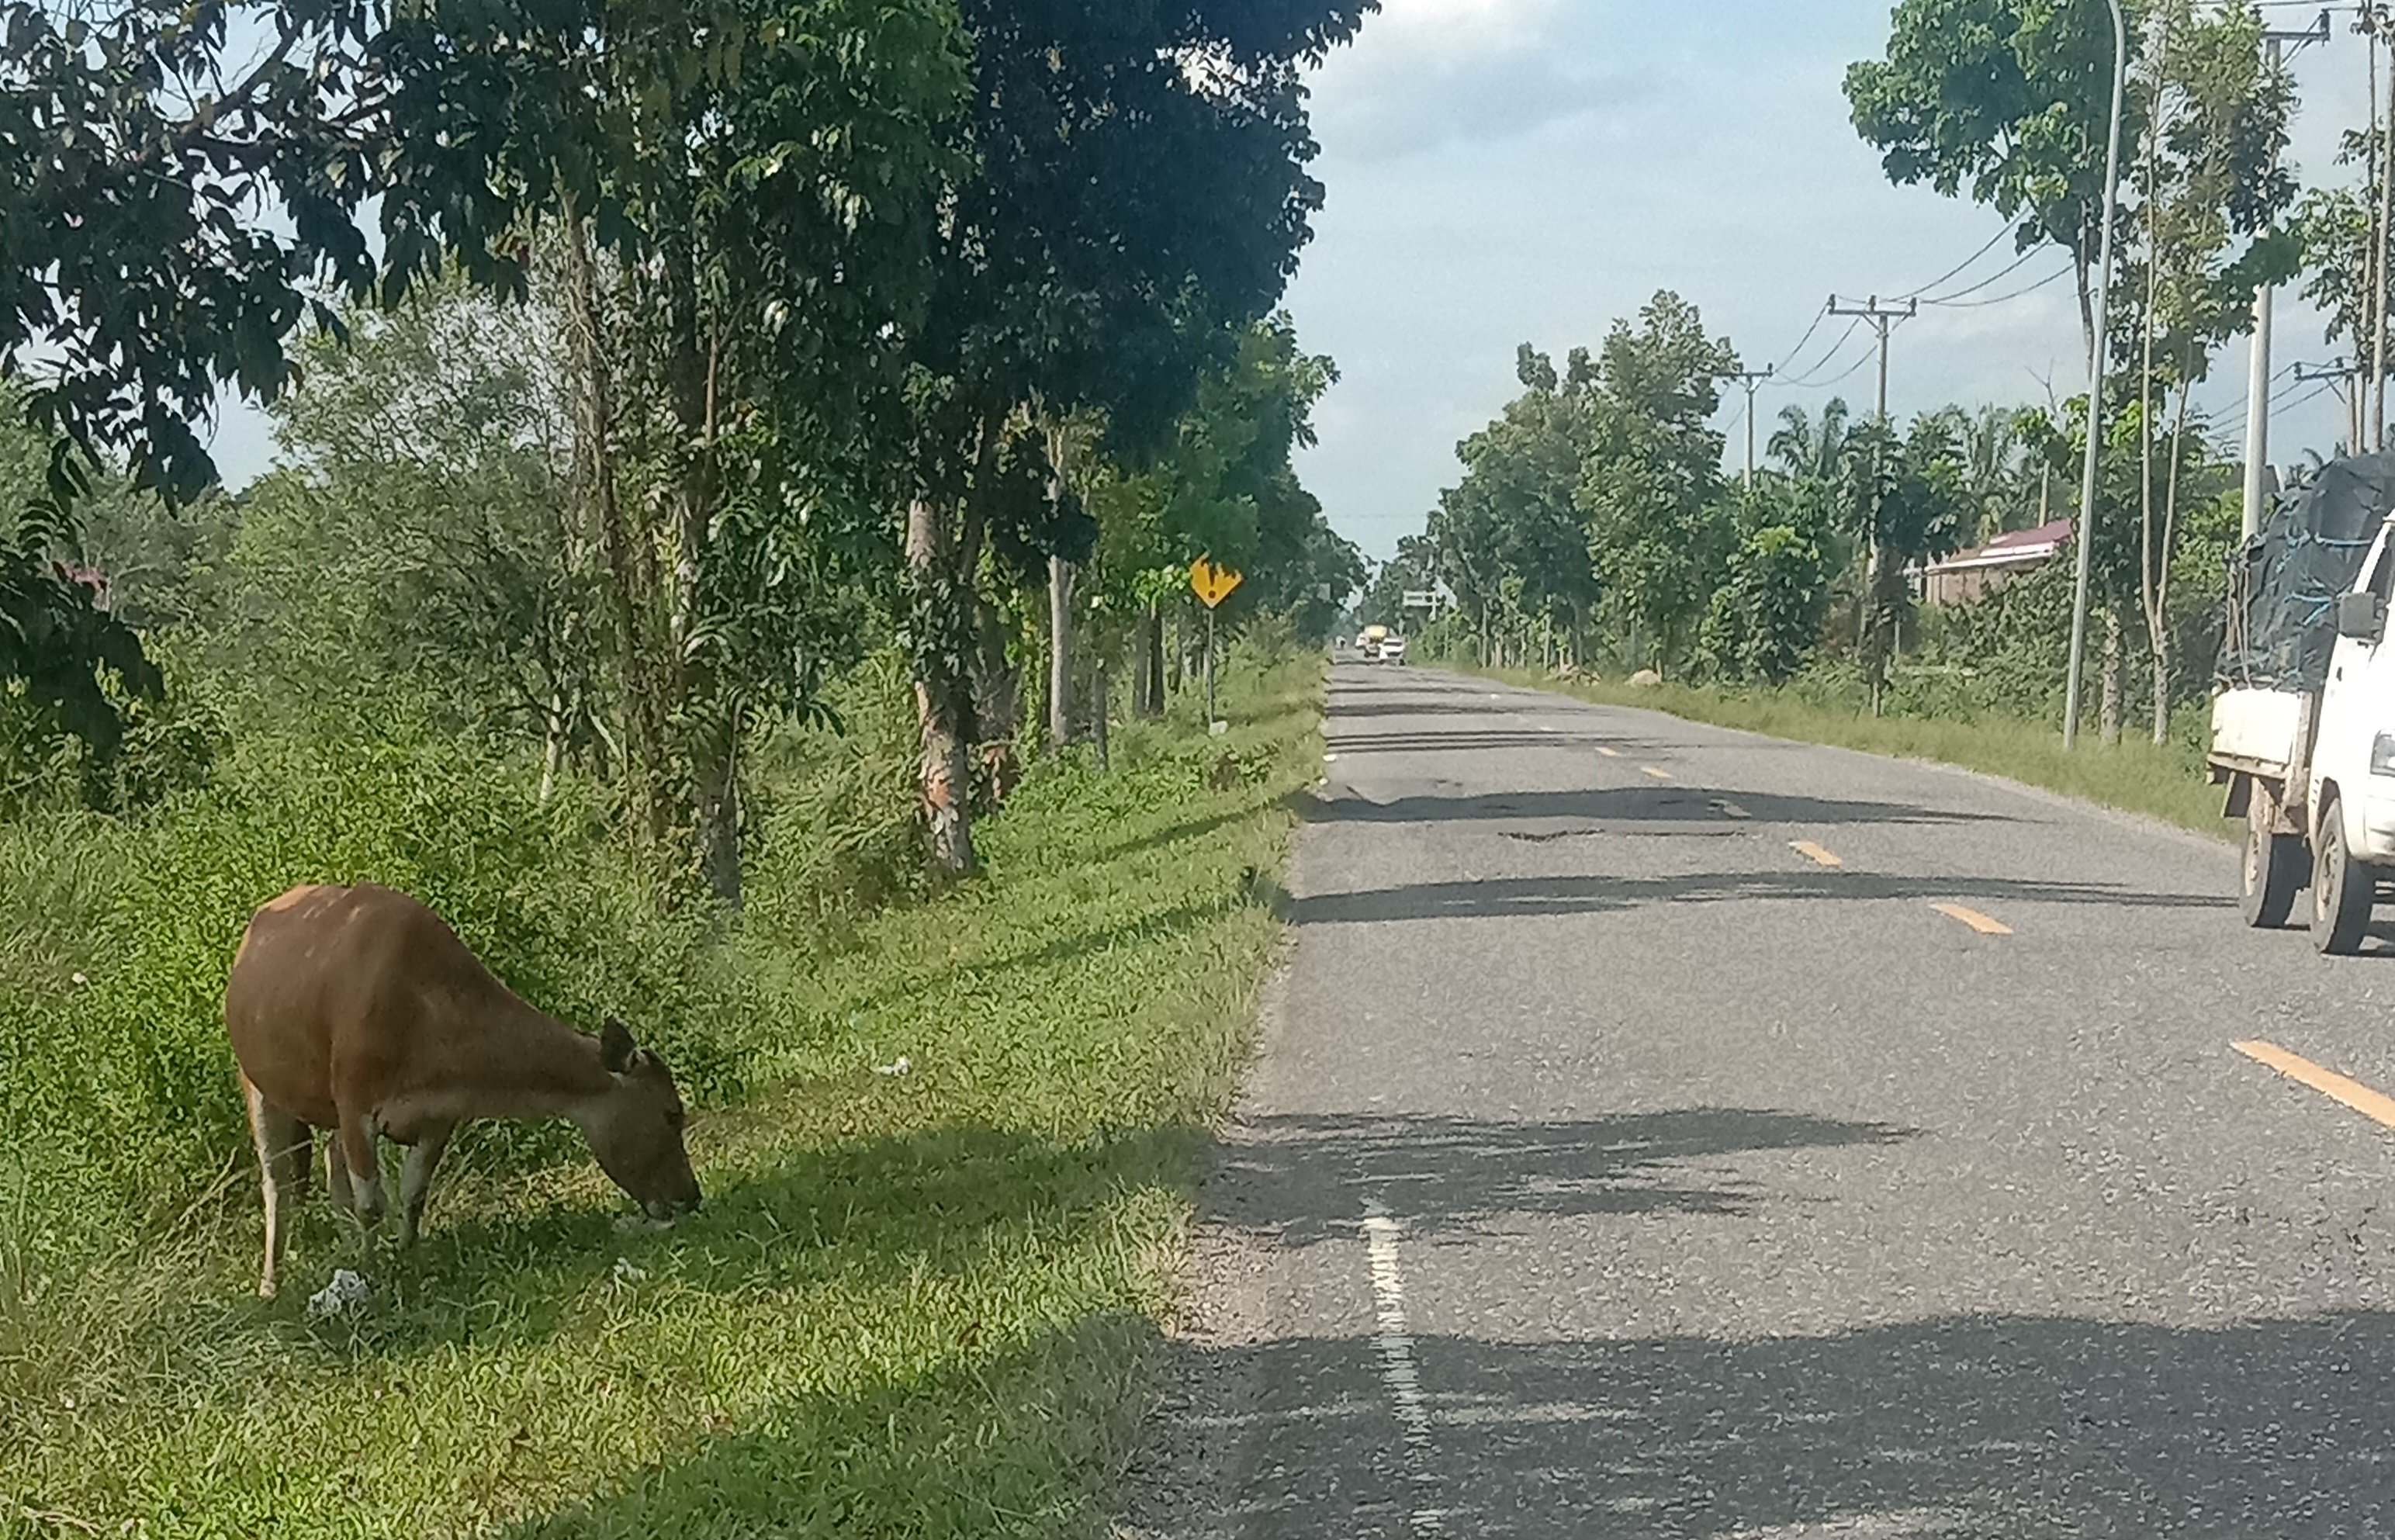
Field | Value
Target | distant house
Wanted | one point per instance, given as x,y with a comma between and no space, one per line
1969,574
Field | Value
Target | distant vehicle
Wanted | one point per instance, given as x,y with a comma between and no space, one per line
1394,650
2303,717
1370,643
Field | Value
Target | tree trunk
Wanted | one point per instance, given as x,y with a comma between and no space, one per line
715,765
2160,620
695,673
620,543
1098,715
1147,693
2115,680
940,697
1060,653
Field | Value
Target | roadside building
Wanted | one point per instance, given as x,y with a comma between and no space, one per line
1971,575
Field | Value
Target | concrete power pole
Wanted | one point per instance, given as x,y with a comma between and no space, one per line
1883,318
2257,400
1750,378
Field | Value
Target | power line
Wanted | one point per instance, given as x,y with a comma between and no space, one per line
1989,281
1860,359
2001,298
1818,316
1827,358
1958,267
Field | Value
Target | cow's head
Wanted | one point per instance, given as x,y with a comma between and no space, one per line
635,1128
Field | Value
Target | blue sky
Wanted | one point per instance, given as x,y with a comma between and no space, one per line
1511,170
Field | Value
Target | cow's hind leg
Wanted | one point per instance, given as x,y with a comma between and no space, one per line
416,1178
337,1176
276,1133
359,1153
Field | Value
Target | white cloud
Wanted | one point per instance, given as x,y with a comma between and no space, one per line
1449,27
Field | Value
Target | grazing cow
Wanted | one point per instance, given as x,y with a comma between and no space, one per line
359,1010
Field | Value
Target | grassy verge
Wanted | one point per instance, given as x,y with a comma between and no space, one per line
912,1307
2163,781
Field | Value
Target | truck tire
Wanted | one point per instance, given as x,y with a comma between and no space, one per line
2342,890
2274,868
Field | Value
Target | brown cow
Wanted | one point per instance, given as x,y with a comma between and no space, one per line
359,1009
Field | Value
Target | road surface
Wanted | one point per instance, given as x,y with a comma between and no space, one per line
1664,1131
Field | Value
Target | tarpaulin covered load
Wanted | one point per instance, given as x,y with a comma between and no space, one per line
2283,585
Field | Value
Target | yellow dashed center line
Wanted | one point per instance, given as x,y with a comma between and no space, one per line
1973,919
1814,853
1659,774
2371,1104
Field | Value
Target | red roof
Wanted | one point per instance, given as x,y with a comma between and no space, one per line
2021,548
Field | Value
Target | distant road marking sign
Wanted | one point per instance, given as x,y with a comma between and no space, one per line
1608,753
1814,853
1973,919
1731,810
1214,584
1659,774
2371,1104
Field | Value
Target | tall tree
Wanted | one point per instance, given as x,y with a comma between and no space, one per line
2212,192
1651,484
1139,185
2006,101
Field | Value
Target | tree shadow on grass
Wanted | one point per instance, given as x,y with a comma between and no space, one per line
873,1212
1017,1437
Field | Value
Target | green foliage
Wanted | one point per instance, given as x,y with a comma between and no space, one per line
1651,484
1767,617
912,1303
2009,102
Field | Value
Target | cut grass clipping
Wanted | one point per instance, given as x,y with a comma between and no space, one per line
914,1305
2161,781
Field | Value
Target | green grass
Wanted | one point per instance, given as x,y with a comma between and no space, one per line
2161,781
915,1305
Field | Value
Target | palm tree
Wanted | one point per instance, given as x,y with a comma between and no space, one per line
1811,451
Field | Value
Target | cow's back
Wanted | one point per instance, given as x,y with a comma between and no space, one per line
321,991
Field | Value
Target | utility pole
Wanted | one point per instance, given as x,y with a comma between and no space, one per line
2339,376
2258,401
1750,378
1882,317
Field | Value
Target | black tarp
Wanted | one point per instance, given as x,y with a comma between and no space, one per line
2283,583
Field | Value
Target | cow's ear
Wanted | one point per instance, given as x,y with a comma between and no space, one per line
616,1049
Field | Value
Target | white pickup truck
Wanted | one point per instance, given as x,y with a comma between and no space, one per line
2303,723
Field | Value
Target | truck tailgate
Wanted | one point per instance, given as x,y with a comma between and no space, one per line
2257,729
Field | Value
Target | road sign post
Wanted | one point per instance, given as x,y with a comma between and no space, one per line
1213,585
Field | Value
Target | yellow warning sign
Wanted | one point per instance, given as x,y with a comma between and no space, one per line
1214,584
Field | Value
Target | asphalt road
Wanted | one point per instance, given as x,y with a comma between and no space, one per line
1614,1167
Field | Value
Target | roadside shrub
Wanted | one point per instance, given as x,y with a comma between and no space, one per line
837,832
119,1093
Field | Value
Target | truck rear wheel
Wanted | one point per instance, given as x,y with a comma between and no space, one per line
2274,867
2342,890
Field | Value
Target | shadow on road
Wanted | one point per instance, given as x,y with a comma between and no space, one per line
1627,805
1496,898
1491,739
1963,1427
1303,1179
